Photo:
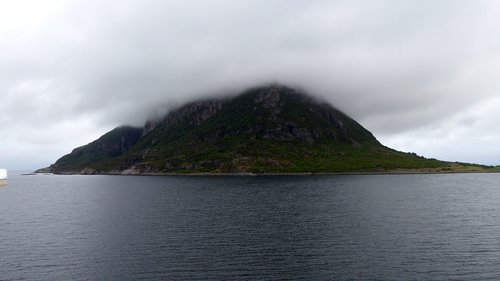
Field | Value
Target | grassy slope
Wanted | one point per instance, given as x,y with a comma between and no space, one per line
272,157
189,148
93,153
182,146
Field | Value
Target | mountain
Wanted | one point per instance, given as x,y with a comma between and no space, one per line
110,145
273,129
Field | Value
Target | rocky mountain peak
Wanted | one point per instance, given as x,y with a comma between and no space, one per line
264,129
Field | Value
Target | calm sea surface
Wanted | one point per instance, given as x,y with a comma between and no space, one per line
383,227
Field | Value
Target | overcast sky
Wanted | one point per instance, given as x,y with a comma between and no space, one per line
423,76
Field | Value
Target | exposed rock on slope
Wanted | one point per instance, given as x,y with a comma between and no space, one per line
110,145
268,129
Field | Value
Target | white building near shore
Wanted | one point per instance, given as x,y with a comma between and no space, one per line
3,174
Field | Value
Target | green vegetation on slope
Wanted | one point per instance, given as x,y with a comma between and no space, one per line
272,129
111,144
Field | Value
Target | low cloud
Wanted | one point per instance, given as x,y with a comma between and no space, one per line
408,70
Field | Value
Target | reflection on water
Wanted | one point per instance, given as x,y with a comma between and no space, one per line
399,227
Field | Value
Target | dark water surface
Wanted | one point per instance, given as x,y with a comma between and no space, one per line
393,227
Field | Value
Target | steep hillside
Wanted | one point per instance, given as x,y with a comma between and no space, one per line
110,145
272,129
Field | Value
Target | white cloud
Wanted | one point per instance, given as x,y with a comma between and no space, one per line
472,134
408,70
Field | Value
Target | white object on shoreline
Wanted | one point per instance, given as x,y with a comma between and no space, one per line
3,174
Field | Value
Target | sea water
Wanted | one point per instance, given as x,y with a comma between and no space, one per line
371,227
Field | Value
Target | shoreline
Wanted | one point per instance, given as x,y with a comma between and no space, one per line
248,174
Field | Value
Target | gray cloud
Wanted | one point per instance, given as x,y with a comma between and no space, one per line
416,73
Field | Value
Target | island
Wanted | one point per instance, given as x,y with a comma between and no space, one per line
272,129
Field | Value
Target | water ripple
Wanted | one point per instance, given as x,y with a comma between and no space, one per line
402,227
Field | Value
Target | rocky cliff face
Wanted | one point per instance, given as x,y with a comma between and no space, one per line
112,144
195,113
266,129
276,113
